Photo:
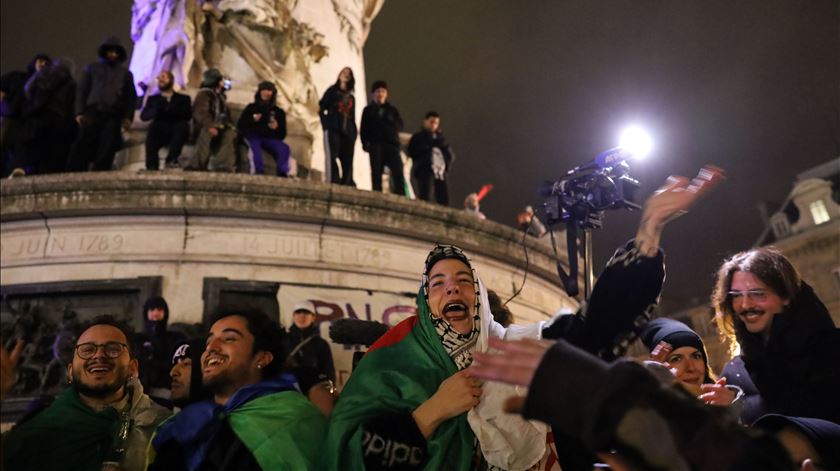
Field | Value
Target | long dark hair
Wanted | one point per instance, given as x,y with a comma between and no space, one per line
351,84
765,263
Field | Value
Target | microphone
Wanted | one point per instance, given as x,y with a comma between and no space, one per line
349,331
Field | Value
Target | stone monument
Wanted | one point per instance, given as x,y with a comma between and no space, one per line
300,46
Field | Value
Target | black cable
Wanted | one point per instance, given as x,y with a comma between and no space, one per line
527,265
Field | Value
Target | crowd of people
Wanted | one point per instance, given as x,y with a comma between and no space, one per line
444,389
52,123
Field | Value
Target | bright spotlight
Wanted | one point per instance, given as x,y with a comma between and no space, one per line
636,141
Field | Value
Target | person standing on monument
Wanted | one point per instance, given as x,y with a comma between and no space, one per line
432,158
381,126
337,109
263,125
169,112
214,147
105,103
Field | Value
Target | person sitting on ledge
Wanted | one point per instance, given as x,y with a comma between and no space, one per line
169,112
263,125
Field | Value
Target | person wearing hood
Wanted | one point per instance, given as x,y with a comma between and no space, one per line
790,346
103,421
187,387
155,346
13,98
263,125
214,146
411,402
170,113
105,103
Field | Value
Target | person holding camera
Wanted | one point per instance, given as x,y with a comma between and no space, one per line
263,125
214,147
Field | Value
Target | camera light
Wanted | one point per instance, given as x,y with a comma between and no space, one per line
636,141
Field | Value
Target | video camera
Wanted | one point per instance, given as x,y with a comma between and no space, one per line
585,192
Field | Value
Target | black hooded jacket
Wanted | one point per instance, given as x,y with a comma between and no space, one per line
266,109
797,371
107,86
155,347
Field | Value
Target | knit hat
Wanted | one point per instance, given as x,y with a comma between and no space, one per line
377,85
211,78
192,349
266,85
823,435
673,332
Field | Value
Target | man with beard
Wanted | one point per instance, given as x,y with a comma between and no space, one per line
187,387
105,102
256,419
155,346
104,421
170,114
790,347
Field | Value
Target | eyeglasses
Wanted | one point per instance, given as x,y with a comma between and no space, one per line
86,351
757,295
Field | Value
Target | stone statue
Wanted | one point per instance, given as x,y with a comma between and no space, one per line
298,46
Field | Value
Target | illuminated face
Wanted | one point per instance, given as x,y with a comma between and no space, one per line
181,374
432,123
689,365
754,302
156,314
265,94
229,361
452,294
380,95
344,75
100,375
303,319
40,64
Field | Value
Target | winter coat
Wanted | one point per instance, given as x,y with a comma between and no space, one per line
248,127
158,109
381,124
337,109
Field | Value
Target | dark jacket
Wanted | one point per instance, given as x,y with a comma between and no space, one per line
314,354
248,127
11,84
381,124
421,144
155,346
159,109
107,86
338,112
796,371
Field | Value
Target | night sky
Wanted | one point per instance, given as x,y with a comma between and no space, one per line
528,90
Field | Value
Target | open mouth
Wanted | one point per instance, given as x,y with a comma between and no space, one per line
98,369
213,361
750,316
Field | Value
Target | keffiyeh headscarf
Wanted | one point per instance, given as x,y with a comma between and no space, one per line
458,346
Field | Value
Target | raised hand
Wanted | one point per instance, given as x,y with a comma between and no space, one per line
8,367
717,393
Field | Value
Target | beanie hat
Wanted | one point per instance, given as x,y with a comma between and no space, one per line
193,349
211,78
676,334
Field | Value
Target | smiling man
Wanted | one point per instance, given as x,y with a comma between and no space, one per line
256,418
103,419
790,346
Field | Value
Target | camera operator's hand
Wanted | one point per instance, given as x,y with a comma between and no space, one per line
671,200
8,367
455,395
80,119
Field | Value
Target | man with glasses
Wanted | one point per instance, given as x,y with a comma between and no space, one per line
104,421
790,347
